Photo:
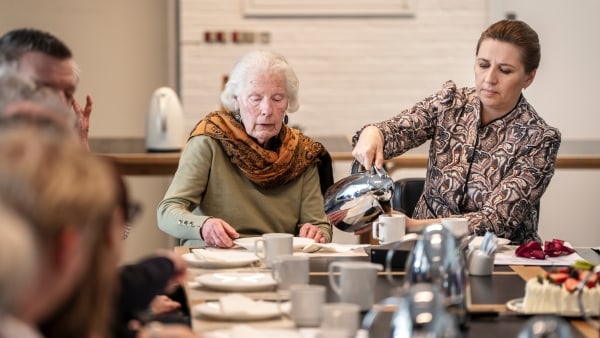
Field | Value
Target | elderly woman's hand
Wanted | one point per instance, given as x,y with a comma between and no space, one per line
217,232
312,231
369,148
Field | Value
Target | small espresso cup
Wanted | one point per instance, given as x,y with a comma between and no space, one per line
341,316
274,245
389,228
307,301
289,269
459,226
355,282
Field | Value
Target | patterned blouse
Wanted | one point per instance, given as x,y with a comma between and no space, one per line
494,175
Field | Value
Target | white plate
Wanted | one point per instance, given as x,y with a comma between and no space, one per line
516,305
263,310
298,242
230,262
476,242
237,281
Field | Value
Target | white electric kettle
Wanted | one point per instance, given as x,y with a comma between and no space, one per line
164,124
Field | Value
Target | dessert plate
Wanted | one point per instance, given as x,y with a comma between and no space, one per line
248,242
237,281
516,305
213,259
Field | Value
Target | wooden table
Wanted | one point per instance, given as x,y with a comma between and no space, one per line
132,159
489,316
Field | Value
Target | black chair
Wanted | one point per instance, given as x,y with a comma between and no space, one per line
407,192
325,169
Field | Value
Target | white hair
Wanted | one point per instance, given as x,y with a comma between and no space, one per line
260,61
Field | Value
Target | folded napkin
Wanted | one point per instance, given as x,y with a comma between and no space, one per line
333,247
237,304
220,255
534,250
532,254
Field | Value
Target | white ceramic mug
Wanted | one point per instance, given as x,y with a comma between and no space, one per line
389,228
307,301
459,226
273,245
289,269
355,282
341,316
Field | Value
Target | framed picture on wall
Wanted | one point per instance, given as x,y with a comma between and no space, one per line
329,8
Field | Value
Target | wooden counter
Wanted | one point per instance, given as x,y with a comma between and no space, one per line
132,159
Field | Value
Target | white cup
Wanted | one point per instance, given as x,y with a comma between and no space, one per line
307,301
459,226
355,282
389,228
274,245
288,270
480,264
340,316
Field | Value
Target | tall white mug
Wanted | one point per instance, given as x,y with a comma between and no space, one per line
459,226
389,228
340,316
274,245
354,282
289,269
307,301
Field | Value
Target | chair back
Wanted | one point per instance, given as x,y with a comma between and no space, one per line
407,192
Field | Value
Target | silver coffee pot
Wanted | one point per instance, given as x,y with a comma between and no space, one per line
357,200
419,313
437,258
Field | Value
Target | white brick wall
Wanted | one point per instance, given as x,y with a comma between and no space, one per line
352,70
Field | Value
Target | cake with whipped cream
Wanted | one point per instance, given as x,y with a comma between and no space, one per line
556,292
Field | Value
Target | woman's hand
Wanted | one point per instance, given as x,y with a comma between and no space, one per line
217,232
162,304
312,231
179,267
369,148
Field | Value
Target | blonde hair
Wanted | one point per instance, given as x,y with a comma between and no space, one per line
18,255
53,183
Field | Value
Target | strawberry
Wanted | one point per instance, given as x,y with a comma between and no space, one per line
592,281
571,284
557,277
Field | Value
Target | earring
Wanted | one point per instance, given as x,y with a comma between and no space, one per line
285,119
237,117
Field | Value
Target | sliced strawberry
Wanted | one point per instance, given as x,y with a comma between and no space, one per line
571,284
592,281
557,277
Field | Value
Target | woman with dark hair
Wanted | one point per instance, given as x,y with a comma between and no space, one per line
491,155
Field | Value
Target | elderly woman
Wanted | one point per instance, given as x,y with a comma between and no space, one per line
244,172
491,155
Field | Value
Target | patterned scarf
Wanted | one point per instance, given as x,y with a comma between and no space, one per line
266,168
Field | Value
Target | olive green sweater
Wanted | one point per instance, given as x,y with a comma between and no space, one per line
206,185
